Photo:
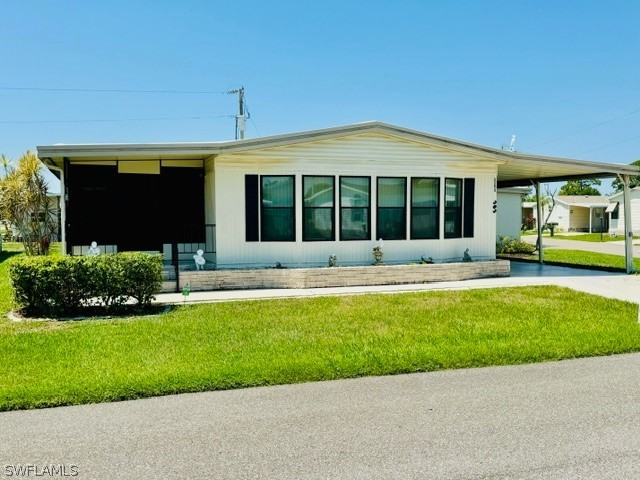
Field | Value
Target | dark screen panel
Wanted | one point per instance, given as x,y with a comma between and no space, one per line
251,208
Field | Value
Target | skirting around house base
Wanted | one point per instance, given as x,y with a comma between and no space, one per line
341,276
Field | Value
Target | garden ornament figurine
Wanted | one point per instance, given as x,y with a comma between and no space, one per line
467,257
333,260
93,249
199,259
377,252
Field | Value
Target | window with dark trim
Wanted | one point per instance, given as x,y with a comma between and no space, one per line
391,208
318,196
277,208
453,208
425,202
615,213
355,211
469,193
252,208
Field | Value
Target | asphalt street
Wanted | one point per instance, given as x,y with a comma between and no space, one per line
575,419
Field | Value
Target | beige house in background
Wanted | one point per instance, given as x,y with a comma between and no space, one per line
575,213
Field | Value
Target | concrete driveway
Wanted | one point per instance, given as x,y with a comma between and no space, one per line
576,419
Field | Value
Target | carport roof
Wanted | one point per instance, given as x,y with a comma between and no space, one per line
514,169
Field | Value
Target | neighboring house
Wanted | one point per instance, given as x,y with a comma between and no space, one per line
615,211
574,213
580,213
297,198
53,210
510,218
530,215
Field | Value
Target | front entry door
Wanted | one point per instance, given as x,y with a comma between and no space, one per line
139,212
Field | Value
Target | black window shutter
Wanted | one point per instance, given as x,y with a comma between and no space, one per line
468,206
251,204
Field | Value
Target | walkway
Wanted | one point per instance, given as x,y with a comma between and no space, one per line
611,285
576,419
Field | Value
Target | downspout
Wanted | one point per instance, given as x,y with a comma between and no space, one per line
628,231
539,222
590,218
63,209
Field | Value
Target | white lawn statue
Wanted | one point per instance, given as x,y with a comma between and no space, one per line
94,249
199,259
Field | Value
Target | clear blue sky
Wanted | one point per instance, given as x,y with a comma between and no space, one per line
472,70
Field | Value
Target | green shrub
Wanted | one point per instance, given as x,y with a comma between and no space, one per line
63,286
513,245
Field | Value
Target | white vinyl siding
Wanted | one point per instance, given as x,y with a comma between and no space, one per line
372,156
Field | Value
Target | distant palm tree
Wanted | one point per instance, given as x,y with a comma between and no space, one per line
6,166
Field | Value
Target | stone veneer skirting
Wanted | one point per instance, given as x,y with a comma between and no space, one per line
341,276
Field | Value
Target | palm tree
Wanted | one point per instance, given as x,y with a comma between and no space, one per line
25,204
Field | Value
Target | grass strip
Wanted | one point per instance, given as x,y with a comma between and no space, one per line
592,237
241,344
579,258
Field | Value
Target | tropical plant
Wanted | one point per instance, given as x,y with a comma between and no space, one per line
25,205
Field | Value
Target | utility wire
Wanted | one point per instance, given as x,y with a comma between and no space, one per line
198,117
246,107
109,90
585,129
609,145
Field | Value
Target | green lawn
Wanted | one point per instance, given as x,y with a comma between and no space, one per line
583,258
242,344
591,237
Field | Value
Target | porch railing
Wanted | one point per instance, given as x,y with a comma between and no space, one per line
209,247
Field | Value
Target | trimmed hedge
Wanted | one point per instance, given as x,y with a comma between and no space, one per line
64,286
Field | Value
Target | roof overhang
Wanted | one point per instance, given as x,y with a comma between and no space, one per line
514,169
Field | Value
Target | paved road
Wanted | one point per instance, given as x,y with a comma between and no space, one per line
576,419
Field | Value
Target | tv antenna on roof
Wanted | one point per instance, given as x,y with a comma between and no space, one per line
512,144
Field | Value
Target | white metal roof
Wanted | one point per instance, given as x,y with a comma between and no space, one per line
514,169
583,200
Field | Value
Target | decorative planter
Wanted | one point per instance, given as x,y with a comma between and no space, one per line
379,274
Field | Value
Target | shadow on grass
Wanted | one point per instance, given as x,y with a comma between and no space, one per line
7,255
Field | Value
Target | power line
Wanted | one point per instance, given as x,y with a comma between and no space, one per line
585,129
110,90
609,145
101,120
251,118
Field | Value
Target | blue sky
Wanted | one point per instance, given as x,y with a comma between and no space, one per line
473,70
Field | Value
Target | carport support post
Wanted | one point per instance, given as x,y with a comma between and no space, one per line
539,222
628,231
62,205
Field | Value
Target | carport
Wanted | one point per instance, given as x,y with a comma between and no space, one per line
520,170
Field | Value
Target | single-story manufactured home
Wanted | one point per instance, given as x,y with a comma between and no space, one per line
580,213
297,198
615,211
